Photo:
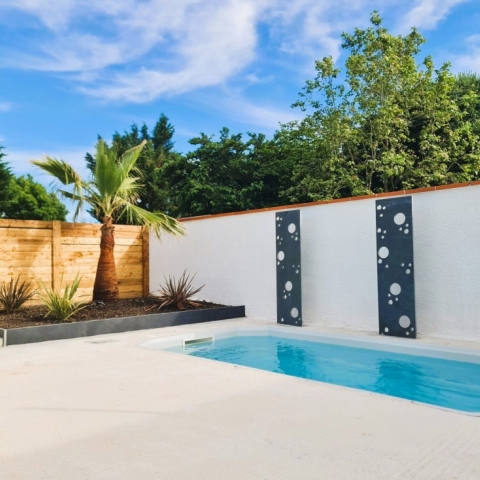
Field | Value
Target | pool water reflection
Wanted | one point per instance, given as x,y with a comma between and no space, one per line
445,383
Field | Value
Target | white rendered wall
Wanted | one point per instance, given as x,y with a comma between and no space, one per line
234,256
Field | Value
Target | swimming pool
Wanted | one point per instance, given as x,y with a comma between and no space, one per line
442,377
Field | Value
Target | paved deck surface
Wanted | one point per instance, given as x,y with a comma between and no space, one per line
104,408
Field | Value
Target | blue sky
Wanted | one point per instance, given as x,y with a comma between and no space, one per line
72,69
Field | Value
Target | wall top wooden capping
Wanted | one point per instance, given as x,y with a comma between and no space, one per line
336,200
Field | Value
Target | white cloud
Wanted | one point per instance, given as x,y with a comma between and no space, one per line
140,50
470,60
428,13
259,115
313,28
242,110
57,15
221,47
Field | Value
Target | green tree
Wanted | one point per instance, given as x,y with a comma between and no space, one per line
158,149
466,93
5,176
228,175
273,168
218,176
386,124
24,199
28,200
112,192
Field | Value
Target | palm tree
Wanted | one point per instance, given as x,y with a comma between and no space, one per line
112,192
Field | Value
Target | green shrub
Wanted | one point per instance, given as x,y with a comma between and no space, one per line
61,306
13,295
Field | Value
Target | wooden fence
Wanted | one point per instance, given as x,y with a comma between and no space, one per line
46,251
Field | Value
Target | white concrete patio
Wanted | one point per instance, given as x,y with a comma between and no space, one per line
103,408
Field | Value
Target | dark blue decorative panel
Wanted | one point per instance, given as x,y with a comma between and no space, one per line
395,267
289,284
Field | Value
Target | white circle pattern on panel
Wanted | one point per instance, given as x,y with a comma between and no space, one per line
383,252
395,289
404,321
399,218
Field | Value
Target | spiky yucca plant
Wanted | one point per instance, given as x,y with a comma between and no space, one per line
13,295
61,306
112,192
177,293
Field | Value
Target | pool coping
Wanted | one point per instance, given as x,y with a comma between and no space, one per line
394,345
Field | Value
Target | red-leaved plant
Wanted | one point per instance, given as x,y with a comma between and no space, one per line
176,293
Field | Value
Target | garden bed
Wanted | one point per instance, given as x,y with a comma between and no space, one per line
34,315
28,325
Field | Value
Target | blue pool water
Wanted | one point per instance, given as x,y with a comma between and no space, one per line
445,383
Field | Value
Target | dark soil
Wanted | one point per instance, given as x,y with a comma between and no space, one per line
31,316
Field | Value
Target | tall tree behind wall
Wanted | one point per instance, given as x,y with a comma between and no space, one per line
466,93
29,200
21,198
229,174
5,176
158,150
218,176
386,124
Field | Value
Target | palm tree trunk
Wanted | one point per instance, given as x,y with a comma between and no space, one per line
106,285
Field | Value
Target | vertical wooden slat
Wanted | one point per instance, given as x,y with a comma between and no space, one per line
146,261
56,254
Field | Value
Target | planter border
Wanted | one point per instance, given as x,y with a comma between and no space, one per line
90,328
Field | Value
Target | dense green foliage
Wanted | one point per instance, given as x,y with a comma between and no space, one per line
227,175
22,198
5,176
465,84
382,124
28,200
387,124
221,175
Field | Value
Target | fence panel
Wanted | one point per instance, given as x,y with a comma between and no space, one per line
50,251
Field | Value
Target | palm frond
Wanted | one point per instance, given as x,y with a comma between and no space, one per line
59,169
65,174
107,177
113,190
70,196
113,176
130,188
157,222
130,157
